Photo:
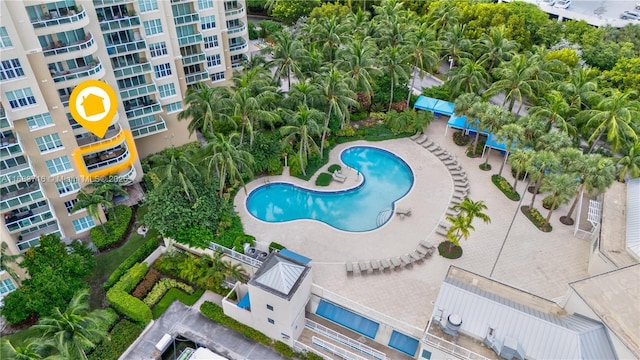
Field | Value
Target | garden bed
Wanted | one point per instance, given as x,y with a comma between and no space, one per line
536,218
460,139
447,251
504,186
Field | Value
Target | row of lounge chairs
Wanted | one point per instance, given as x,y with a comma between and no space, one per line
423,251
338,176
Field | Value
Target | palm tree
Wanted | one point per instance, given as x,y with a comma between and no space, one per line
177,166
541,162
303,127
461,224
473,209
76,328
92,202
248,110
227,160
205,106
304,93
338,99
108,190
189,269
510,135
594,172
496,117
463,104
444,16
394,61
495,47
477,117
455,44
519,161
287,53
329,32
6,259
561,187
613,115
29,349
358,60
630,162
471,77
516,80
580,89
557,111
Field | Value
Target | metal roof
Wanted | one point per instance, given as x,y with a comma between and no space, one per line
633,214
280,274
541,335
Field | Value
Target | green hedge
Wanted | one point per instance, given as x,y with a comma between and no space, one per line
215,313
504,186
275,246
123,334
172,295
145,250
126,304
324,179
162,287
115,230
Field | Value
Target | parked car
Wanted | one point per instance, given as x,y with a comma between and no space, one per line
548,2
630,15
563,4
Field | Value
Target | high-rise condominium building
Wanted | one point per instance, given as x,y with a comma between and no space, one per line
149,51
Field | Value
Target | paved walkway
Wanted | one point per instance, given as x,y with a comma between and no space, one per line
541,263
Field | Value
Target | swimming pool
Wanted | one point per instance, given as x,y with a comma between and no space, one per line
387,178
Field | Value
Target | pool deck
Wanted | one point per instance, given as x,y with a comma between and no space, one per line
541,263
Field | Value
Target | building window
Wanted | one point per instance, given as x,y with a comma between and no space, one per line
153,27
211,42
40,120
48,142
162,70
84,223
58,165
158,49
270,320
20,98
6,286
213,60
173,107
205,4
207,22
219,76
69,205
5,40
147,5
167,90
10,69
67,186
269,307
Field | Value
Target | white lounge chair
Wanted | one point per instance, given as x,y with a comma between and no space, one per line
403,212
338,178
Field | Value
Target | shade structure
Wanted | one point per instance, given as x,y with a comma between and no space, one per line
436,106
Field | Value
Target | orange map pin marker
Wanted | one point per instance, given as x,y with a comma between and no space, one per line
93,105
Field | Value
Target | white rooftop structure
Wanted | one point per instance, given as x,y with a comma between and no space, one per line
279,274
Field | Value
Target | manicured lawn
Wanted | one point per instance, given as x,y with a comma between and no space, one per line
171,296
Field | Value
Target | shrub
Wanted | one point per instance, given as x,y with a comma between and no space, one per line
215,313
347,132
284,349
253,33
123,334
485,167
115,229
268,27
547,201
454,253
147,284
359,116
171,296
145,250
459,138
536,218
333,167
275,246
504,186
126,304
442,92
378,116
132,277
324,179
162,287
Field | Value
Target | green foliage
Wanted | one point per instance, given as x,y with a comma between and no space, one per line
504,186
362,115
324,179
568,56
253,33
382,90
329,10
162,287
275,246
333,167
115,228
288,11
459,138
194,237
408,121
448,250
55,276
215,313
624,76
131,278
175,294
267,153
547,201
315,162
536,218
284,349
143,288
228,235
126,304
268,28
123,334
442,92
140,254
347,131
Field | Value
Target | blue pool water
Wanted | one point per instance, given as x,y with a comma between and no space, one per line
387,178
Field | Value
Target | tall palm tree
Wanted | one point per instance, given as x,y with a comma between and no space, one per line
204,107
613,115
477,117
580,89
473,209
495,47
471,77
358,59
76,328
92,202
519,161
108,190
516,79
455,44
330,33
462,224
463,104
496,118
305,93
177,166
303,126
425,48
248,110
541,162
6,259
561,187
511,136
287,54
228,160
360,22
629,163
338,99
444,16
557,111
394,61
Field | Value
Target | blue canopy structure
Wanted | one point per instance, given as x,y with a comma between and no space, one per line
244,303
295,256
403,343
434,105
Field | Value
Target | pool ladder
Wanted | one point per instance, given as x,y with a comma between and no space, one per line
384,216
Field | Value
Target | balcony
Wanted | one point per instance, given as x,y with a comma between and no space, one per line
123,48
19,220
18,173
236,29
110,2
92,139
149,129
32,238
120,24
5,123
196,77
80,73
192,59
138,91
148,109
238,46
186,19
22,197
127,176
233,10
10,146
55,19
106,158
190,39
59,48
128,71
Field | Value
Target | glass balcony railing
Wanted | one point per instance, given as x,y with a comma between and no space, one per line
196,77
32,238
192,59
92,139
234,11
32,220
110,2
10,146
21,197
120,24
236,29
77,46
186,19
149,129
190,39
128,71
138,91
123,48
78,73
107,158
54,19
16,173
149,109
5,123
238,47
